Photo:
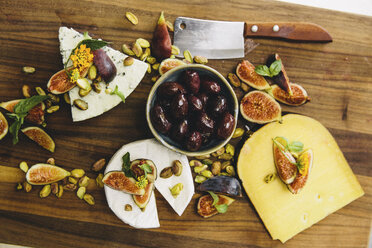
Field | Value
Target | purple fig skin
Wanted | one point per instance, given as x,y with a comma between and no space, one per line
194,141
217,105
222,184
105,67
180,131
161,43
281,79
159,119
204,124
179,106
192,81
225,126
210,87
170,89
195,104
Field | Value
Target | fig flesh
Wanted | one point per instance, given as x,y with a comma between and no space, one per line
299,95
142,200
246,73
169,64
118,181
40,137
42,174
3,126
106,68
205,205
284,161
60,83
34,116
135,167
281,79
260,107
222,184
306,163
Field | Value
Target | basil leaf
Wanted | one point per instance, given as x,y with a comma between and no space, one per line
14,129
276,67
296,146
215,198
26,105
118,93
146,168
126,165
263,70
221,208
93,44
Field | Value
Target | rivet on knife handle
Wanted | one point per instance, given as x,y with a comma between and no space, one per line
288,30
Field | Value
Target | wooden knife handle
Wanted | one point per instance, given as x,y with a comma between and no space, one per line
300,31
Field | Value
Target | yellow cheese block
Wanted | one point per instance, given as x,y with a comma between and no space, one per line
331,184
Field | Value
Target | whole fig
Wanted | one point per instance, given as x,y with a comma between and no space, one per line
225,126
159,119
192,81
194,141
179,106
105,66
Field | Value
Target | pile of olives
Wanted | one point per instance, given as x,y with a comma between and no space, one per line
192,111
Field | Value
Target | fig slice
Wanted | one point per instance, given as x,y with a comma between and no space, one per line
41,174
299,95
222,184
3,126
40,137
259,107
118,181
281,79
205,205
34,116
60,83
285,163
134,166
305,161
246,73
142,200
169,64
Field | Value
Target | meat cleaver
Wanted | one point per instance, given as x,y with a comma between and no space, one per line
224,40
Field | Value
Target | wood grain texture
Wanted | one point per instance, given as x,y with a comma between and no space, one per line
337,76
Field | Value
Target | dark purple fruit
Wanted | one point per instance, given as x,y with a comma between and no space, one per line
204,124
194,141
206,137
225,126
192,81
105,66
222,184
165,103
159,120
217,105
179,131
170,89
195,104
210,86
204,98
179,107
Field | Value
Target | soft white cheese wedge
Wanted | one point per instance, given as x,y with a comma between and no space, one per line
162,157
127,78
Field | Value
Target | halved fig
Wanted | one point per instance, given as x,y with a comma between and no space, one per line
118,181
246,73
142,200
305,161
40,136
41,174
60,83
3,126
205,207
260,107
281,79
35,115
285,163
168,64
222,184
299,95
135,167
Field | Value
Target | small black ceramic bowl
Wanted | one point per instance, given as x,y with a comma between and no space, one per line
176,75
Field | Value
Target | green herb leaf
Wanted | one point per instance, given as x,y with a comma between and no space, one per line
296,146
118,93
126,165
27,104
14,128
275,68
215,198
146,168
93,44
263,70
221,208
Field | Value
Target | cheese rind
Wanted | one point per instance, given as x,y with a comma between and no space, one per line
127,78
331,184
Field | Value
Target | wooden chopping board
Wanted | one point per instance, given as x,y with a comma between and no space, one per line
337,75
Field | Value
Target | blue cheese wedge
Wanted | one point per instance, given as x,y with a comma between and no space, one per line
127,78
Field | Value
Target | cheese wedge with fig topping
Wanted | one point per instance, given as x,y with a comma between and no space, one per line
330,185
